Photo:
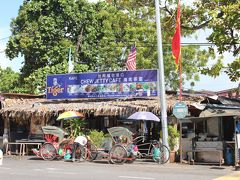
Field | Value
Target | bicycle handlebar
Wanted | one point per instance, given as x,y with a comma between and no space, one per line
143,138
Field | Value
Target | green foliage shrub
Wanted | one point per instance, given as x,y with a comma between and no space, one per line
173,134
97,137
75,127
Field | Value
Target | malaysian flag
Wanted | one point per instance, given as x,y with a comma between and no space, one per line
131,61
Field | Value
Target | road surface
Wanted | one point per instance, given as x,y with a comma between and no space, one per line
26,168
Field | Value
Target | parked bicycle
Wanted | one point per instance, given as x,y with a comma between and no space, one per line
152,149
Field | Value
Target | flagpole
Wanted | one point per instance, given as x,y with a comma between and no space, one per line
70,65
180,74
161,80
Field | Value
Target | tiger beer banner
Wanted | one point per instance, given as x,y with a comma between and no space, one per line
140,83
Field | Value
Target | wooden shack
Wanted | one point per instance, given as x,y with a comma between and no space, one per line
211,137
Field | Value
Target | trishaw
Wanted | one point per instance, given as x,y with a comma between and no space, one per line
55,146
119,148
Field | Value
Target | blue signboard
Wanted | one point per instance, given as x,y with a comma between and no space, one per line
140,83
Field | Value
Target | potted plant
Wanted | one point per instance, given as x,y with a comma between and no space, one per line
173,141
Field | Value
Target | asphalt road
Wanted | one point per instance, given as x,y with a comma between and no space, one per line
26,168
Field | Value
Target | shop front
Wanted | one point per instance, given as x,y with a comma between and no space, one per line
211,138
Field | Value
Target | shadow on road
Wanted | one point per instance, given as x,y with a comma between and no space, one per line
219,168
35,158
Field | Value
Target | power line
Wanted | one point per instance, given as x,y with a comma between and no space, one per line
168,44
144,46
184,43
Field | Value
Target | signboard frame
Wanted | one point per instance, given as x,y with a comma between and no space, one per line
112,84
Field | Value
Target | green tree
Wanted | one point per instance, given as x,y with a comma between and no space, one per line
9,80
139,26
221,17
42,33
97,33
36,82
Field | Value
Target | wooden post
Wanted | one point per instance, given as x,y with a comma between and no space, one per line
61,125
6,134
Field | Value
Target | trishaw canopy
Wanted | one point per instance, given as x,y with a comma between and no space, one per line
118,132
53,130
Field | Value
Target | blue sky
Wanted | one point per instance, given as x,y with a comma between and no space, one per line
9,10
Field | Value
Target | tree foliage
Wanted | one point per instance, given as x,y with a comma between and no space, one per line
9,80
99,34
35,83
225,27
222,18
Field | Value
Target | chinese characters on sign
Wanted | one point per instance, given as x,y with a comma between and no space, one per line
117,84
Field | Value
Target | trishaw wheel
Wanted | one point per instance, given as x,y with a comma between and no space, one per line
164,155
131,158
48,151
118,154
80,153
64,146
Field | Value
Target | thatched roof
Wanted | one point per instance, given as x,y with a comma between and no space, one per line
25,108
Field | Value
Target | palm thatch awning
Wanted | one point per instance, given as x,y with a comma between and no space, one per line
26,108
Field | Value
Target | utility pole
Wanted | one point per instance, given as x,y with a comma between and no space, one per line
161,80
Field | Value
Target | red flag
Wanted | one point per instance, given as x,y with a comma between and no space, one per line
176,47
131,61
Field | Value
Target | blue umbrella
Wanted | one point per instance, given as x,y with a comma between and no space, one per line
143,115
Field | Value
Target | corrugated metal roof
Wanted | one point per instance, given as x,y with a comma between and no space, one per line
219,112
221,100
